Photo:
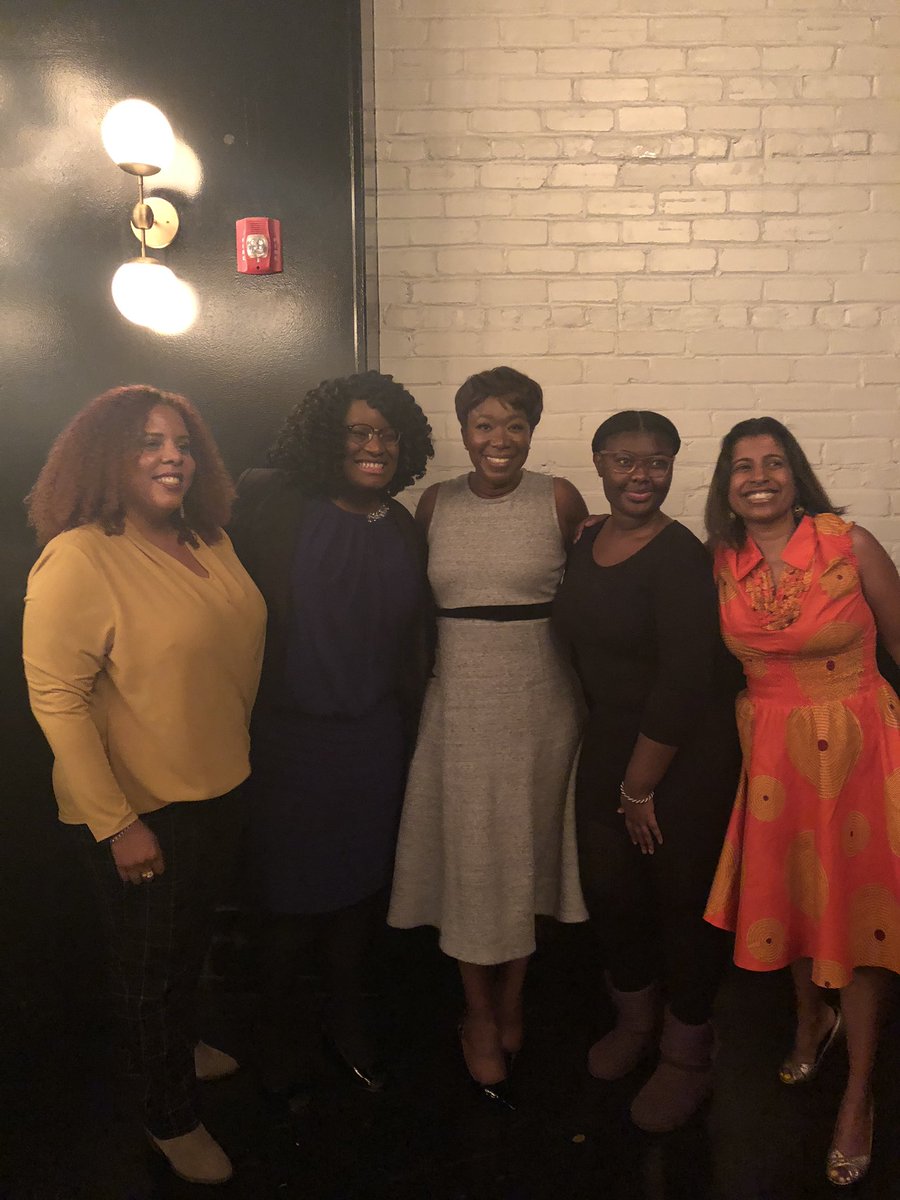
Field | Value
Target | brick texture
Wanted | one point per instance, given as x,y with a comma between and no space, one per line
689,205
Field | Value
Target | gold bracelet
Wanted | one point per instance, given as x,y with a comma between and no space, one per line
115,837
631,799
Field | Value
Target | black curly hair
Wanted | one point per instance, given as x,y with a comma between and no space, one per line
312,442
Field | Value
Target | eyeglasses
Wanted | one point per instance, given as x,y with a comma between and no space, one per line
657,466
361,435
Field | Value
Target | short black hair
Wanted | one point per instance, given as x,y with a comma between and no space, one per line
635,420
724,525
501,383
311,443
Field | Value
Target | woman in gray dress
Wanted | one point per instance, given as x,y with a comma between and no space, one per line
487,837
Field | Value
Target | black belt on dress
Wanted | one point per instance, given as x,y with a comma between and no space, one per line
500,612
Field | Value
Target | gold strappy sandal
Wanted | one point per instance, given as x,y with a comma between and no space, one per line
791,1071
844,1170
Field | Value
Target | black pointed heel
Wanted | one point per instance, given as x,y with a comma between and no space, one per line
498,1094
371,1077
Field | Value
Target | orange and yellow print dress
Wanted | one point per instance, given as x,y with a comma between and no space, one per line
811,862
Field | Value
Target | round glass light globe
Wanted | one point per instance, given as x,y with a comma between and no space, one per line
142,290
135,132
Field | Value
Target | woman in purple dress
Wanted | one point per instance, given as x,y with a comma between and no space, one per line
342,567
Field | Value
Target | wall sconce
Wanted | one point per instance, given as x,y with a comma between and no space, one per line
139,139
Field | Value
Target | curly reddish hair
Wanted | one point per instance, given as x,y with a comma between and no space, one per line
82,480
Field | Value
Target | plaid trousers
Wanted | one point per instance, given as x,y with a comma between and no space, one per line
159,933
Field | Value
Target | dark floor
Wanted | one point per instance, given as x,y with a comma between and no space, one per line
68,1129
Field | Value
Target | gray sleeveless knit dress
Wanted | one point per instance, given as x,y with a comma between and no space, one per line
487,835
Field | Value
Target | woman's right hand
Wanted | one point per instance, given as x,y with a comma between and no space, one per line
137,855
640,823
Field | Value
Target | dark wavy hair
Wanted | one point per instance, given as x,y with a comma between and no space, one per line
82,481
501,383
723,525
312,442
635,420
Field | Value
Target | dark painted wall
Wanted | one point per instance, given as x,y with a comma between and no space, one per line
266,96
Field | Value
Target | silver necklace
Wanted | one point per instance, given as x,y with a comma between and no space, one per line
377,514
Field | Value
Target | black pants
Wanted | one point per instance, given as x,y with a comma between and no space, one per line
647,910
158,934
344,939
647,913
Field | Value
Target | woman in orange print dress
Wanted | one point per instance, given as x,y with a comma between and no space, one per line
810,871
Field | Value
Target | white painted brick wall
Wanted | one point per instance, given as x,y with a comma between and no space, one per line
686,205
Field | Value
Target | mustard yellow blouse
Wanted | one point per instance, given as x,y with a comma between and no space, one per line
141,674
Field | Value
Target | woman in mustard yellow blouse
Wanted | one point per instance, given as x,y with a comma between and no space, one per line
143,640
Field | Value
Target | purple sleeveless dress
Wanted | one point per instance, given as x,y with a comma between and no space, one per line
329,767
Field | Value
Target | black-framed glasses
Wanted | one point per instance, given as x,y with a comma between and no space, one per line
621,462
361,435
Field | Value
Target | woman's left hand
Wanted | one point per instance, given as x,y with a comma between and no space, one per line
640,821
588,523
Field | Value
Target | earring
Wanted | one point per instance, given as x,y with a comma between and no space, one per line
732,515
798,511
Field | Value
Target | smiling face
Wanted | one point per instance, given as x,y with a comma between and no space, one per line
762,489
369,466
498,438
636,472
158,479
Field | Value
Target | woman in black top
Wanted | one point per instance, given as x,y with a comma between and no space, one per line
658,765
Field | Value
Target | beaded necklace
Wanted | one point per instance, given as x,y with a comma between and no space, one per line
780,606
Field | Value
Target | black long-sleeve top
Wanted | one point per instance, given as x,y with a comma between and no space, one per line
644,635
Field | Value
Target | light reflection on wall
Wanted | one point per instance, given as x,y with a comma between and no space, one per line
181,311
184,173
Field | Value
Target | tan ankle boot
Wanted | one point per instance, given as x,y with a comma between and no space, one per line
681,1082
196,1156
210,1063
631,1039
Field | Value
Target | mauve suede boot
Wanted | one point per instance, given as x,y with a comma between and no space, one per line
681,1082
195,1157
211,1064
632,1037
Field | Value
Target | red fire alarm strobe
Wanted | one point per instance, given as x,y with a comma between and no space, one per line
259,246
